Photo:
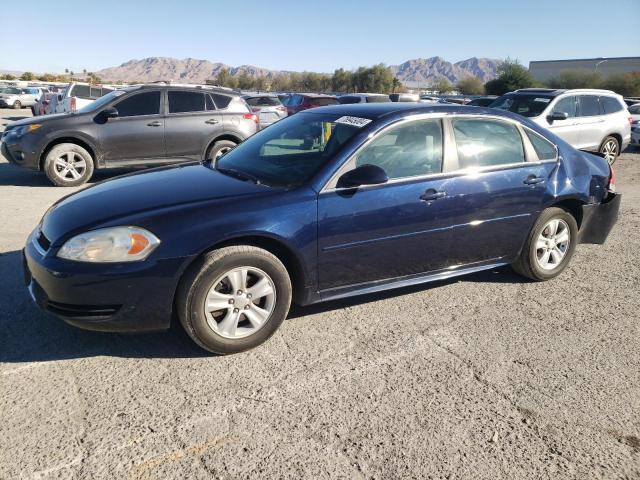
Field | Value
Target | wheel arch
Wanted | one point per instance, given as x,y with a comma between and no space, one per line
615,135
67,139
573,206
225,136
277,247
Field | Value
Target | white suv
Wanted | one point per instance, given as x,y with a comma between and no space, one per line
588,119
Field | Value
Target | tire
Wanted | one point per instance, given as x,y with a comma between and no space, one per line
610,148
17,105
531,262
208,283
219,148
60,159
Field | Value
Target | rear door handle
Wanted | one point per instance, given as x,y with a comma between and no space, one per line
211,121
431,195
154,124
532,180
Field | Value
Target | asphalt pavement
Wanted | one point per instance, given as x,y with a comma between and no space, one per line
488,376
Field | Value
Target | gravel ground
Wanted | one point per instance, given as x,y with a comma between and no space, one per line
487,376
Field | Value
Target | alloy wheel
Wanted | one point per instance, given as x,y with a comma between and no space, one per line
70,166
552,244
240,302
610,150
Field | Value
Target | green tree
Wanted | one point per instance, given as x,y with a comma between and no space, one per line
8,76
342,81
442,86
576,79
261,83
281,83
245,82
625,84
470,86
511,76
27,76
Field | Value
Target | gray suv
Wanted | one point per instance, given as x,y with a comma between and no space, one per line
147,125
587,119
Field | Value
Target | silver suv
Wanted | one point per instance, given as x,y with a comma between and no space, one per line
587,119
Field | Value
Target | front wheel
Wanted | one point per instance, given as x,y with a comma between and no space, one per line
549,247
17,105
610,148
219,148
68,165
234,299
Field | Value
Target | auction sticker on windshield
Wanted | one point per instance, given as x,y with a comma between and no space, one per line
354,121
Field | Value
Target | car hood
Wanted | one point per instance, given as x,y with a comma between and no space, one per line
137,193
40,119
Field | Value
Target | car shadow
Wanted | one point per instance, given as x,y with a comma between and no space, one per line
12,175
27,334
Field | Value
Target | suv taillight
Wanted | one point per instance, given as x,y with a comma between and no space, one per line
611,182
251,116
73,104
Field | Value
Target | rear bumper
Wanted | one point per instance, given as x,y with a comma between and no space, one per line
599,219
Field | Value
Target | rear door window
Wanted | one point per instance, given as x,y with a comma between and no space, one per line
182,102
545,150
566,105
589,105
610,105
221,101
145,103
486,143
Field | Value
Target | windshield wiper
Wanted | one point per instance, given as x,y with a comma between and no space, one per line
239,174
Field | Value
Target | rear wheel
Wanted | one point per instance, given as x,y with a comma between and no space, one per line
17,105
235,299
219,148
549,247
610,148
68,165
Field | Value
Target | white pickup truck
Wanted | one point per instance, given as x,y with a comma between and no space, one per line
78,95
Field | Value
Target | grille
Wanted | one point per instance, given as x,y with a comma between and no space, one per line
43,241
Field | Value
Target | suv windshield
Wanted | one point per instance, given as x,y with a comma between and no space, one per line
291,151
525,105
101,102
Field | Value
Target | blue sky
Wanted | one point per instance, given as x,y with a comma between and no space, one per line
311,35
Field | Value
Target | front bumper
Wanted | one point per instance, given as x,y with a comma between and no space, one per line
124,297
599,219
19,152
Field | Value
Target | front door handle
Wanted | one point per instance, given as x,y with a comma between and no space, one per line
211,121
533,180
432,194
154,124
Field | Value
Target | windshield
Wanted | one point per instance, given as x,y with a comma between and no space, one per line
525,105
290,152
101,102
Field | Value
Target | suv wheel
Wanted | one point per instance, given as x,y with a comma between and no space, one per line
219,148
610,148
235,299
68,165
17,105
549,247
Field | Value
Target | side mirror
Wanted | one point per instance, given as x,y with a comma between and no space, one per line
363,175
111,112
557,116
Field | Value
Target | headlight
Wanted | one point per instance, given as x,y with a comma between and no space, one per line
116,244
20,131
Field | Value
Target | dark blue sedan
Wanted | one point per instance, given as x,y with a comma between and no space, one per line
329,203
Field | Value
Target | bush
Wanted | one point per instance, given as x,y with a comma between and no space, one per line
511,76
470,86
575,79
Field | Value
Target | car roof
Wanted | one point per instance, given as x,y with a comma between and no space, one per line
558,91
375,111
205,88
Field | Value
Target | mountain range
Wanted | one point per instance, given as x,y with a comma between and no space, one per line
419,71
